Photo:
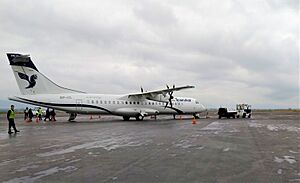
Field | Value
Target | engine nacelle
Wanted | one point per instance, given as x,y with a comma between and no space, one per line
159,98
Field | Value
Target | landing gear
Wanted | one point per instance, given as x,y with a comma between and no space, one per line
126,118
72,116
196,116
174,116
139,117
244,115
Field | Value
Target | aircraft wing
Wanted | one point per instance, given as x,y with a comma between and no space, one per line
154,93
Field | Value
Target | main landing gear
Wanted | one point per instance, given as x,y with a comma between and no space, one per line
138,118
126,118
196,116
72,116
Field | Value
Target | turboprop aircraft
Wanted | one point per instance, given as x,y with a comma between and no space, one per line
37,89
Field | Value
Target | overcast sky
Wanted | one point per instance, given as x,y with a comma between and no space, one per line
232,51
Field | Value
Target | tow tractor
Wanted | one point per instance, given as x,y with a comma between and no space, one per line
226,112
243,110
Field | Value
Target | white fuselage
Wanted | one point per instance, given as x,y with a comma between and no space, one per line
111,104
37,89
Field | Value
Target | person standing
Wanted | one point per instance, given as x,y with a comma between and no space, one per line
47,116
52,114
30,115
40,113
26,114
11,119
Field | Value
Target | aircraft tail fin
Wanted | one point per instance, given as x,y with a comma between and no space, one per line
30,80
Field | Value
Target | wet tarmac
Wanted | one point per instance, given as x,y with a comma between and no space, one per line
265,148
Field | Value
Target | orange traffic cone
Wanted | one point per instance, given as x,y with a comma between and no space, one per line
194,121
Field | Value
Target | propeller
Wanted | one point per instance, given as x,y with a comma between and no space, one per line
171,96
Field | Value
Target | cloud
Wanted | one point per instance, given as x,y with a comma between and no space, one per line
231,50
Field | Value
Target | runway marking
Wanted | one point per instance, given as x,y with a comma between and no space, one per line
217,127
107,144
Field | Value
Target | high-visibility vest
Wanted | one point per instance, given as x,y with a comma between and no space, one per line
40,111
11,115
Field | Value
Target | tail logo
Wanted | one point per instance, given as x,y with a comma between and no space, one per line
31,81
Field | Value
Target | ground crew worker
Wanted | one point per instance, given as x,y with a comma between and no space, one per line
37,119
26,114
30,115
11,119
52,114
47,116
40,113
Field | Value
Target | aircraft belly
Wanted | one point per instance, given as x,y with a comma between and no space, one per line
135,111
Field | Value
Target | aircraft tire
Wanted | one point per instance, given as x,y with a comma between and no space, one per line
126,118
139,118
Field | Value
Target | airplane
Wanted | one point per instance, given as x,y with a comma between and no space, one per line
37,89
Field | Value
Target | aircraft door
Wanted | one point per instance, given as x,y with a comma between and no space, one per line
78,104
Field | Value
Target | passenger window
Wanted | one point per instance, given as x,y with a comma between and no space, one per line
100,101
133,102
96,101
138,102
122,102
126,102
108,102
118,102
104,101
152,103
114,102
130,103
